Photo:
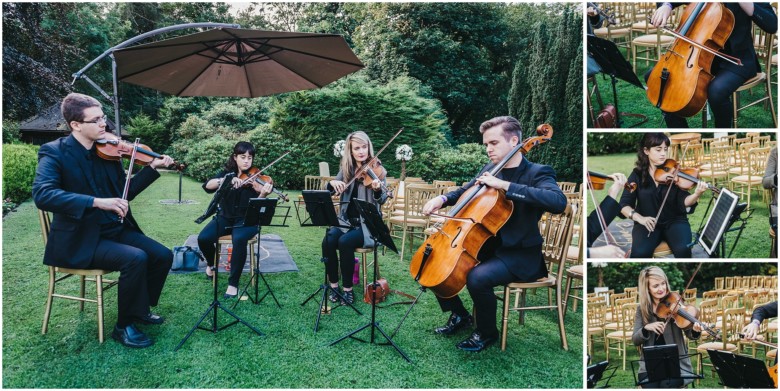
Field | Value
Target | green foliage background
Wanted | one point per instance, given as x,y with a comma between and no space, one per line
19,163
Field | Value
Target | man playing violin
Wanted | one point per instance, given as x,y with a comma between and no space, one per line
515,254
728,76
93,227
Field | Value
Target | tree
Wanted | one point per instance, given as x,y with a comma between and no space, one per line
458,50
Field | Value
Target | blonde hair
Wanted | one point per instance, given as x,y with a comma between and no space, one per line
348,164
645,298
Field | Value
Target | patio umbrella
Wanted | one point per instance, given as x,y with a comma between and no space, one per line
237,62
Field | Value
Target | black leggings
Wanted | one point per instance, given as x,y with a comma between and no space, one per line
677,235
346,243
209,235
719,94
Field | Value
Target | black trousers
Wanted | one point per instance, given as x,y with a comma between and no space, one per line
481,281
676,234
345,243
209,236
719,94
143,266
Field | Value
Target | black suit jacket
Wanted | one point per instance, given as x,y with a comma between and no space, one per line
740,42
533,191
65,186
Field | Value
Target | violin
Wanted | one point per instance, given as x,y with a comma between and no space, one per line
672,306
597,182
678,83
255,174
372,169
684,178
111,147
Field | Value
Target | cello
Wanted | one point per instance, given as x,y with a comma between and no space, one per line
445,258
678,83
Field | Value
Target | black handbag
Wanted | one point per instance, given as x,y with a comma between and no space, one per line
186,259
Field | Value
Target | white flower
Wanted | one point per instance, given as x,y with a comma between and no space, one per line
598,264
403,152
338,148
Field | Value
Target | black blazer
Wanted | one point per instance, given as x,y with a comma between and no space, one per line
740,42
533,191
64,185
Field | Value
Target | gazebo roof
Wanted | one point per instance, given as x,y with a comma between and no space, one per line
51,120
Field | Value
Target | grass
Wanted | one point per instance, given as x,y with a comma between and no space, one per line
754,242
632,99
290,355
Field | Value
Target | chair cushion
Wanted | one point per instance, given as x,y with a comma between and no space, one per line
619,334
573,253
542,282
758,78
576,269
82,272
652,40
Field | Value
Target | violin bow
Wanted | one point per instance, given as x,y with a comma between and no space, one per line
129,175
251,178
669,190
602,222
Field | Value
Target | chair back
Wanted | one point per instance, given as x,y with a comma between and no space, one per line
720,283
597,314
45,220
757,158
557,237
733,321
689,295
415,197
313,182
632,291
324,169
567,187
443,184
627,313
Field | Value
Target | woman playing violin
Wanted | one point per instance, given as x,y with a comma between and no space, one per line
650,330
728,76
642,206
232,211
85,194
358,150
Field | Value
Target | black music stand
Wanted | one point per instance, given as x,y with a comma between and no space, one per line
595,373
662,364
380,234
213,209
726,212
737,371
322,213
612,63
260,212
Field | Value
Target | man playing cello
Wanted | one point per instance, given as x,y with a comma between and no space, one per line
515,254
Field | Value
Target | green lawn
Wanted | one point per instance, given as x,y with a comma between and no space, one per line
754,242
632,99
291,355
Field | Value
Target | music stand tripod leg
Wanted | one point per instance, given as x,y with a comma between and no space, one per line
254,282
373,324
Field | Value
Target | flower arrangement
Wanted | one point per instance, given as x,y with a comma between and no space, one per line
403,153
338,148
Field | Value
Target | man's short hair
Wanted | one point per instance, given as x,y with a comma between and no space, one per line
74,104
509,125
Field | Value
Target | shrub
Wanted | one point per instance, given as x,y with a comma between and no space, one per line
151,133
208,157
609,143
460,164
19,163
11,132
287,173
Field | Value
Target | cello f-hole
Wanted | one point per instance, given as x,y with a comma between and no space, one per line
455,239
690,57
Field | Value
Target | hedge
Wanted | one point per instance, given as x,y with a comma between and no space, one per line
19,163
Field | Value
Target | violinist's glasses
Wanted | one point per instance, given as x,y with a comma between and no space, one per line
96,120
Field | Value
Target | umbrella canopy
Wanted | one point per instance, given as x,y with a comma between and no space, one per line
237,62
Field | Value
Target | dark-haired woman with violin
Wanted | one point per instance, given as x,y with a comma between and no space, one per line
642,206
652,330
358,150
232,211
727,76
93,227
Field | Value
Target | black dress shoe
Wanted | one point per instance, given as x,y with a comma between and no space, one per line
131,337
476,342
150,318
454,323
